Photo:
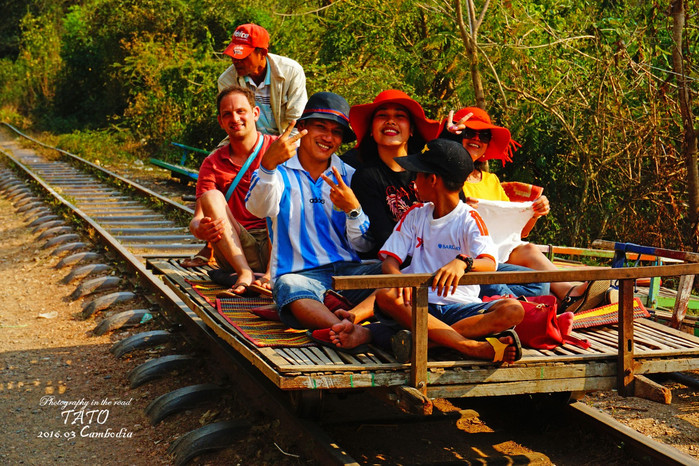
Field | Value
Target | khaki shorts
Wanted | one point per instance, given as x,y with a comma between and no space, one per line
255,245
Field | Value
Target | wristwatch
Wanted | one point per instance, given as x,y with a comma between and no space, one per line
468,260
354,213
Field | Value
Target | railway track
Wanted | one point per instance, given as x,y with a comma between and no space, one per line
132,223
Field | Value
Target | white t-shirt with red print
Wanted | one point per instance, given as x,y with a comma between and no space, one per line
435,242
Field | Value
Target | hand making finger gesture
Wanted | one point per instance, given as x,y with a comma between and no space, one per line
282,149
341,195
459,126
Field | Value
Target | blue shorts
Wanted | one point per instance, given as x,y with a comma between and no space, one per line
313,283
455,312
515,289
447,313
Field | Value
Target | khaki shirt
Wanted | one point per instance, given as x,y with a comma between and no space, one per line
287,92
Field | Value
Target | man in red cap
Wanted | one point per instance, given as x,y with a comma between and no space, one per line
279,82
279,85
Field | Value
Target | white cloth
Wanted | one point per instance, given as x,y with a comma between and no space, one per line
436,242
505,221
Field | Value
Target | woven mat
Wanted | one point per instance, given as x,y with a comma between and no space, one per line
207,290
606,315
258,331
236,311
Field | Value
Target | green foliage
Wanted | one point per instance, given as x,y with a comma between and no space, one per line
110,145
585,87
172,92
37,66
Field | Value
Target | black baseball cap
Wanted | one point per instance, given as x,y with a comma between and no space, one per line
443,157
329,106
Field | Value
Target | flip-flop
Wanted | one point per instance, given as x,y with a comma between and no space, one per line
195,261
229,293
261,290
499,347
268,312
322,337
402,345
334,301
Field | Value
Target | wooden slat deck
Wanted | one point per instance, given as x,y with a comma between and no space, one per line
657,349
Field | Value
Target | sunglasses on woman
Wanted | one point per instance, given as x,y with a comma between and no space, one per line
484,135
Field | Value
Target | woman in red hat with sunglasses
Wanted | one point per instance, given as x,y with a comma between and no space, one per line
393,125
486,141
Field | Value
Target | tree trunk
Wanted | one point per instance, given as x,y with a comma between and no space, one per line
470,42
689,141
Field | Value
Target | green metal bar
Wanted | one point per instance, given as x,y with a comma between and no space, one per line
189,148
188,172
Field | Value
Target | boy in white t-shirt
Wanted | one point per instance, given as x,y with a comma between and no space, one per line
447,236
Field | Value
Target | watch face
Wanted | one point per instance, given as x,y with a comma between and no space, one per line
354,213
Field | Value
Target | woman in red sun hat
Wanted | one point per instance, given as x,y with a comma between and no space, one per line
485,141
393,125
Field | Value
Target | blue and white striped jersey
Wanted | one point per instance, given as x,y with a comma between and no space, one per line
306,229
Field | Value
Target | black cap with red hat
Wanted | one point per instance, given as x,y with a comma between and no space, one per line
445,158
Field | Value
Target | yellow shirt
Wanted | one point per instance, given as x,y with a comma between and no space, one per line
489,188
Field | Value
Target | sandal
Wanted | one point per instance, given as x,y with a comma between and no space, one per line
195,261
500,347
334,301
592,297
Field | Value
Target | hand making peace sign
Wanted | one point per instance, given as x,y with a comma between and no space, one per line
282,149
456,128
340,194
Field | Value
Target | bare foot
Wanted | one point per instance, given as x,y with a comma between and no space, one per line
244,280
342,314
347,335
263,281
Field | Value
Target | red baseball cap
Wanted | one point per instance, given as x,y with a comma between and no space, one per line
245,39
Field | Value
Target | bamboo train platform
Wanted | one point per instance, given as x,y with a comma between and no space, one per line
618,357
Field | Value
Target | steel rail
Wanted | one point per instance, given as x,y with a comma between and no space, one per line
324,449
636,444
135,186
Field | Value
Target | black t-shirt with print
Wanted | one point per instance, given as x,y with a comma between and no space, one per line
385,196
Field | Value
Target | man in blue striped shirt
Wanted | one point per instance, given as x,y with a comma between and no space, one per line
316,223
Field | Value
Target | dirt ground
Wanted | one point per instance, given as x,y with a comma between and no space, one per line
52,363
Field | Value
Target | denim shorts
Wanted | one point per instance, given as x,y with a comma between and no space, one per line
313,283
455,312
